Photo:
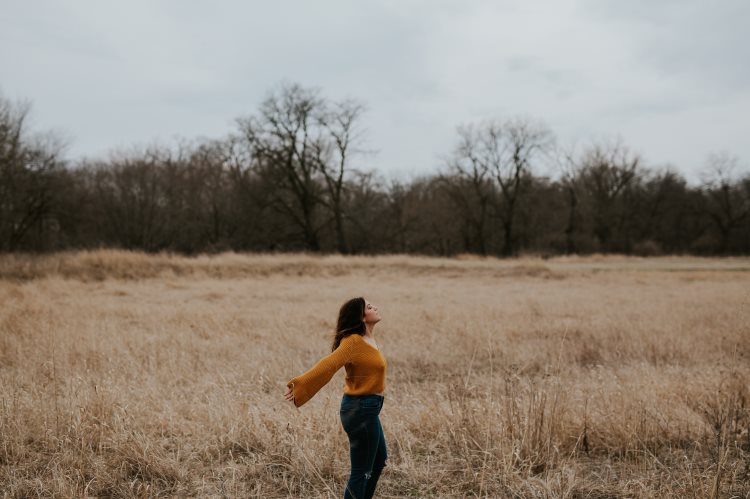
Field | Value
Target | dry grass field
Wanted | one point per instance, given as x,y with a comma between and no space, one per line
127,375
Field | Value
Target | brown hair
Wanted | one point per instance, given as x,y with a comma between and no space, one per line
351,321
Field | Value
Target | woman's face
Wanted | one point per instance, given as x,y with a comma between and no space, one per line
372,316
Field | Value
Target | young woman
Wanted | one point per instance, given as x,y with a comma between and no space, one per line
354,347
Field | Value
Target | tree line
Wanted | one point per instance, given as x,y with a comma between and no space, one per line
288,178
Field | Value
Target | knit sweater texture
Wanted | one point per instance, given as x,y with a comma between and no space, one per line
365,370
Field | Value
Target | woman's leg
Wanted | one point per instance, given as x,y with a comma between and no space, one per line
364,432
380,456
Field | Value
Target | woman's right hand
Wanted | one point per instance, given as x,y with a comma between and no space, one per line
289,396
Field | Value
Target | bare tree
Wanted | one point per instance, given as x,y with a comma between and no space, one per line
506,151
285,138
340,121
727,203
569,180
251,196
30,165
606,173
304,143
366,206
207,182
401,209
131,197
469,185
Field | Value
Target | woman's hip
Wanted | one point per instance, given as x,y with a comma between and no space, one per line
355,410
369,401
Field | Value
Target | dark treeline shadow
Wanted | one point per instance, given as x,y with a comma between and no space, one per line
287,179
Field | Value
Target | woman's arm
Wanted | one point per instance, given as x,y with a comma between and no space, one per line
306,385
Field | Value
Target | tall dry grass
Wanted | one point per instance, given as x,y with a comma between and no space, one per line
129,375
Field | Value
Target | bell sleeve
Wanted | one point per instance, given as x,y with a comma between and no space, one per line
306,385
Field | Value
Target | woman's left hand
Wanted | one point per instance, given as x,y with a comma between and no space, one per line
289,396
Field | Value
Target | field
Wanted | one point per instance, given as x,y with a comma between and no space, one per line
128,375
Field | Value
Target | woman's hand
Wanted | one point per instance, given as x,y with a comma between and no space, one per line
289,395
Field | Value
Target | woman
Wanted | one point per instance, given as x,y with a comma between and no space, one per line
354,347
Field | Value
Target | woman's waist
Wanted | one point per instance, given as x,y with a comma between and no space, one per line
347,398
368,389
361,391
364,395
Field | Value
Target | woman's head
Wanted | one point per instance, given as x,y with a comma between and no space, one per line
354,316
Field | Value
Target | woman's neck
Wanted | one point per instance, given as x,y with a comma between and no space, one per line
369,333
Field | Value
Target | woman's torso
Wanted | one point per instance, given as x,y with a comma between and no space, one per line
371,343
374,345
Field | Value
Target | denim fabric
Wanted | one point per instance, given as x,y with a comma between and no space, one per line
367,450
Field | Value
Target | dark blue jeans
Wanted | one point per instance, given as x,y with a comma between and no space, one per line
367,451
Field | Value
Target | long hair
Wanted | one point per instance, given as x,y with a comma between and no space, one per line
351,321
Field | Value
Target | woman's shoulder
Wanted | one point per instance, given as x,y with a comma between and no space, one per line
353,341
347,343
352,338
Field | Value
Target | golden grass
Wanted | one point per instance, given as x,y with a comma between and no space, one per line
132,375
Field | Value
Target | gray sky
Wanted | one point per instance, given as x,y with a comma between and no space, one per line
671,78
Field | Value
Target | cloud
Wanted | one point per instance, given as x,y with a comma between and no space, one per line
702,44
669,76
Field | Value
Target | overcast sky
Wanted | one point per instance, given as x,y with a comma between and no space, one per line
671,78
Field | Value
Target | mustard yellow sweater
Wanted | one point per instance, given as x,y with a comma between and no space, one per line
365,370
